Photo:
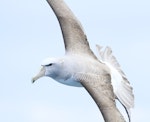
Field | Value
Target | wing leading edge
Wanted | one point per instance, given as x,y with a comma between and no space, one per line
75,39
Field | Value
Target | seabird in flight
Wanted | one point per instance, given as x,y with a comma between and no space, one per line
79,67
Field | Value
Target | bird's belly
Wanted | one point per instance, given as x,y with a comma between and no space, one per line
70,82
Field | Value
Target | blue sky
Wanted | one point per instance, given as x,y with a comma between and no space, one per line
29,32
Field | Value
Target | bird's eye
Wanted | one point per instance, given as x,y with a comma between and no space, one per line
49,64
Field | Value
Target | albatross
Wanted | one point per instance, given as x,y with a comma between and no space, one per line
102,77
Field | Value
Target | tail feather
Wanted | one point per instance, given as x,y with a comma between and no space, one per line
121,86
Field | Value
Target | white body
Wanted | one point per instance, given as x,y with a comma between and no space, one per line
68,65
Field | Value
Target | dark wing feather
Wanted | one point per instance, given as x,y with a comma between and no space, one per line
75,39
100,89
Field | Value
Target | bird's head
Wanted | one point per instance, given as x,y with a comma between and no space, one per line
50,68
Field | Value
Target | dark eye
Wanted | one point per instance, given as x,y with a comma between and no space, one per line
49,64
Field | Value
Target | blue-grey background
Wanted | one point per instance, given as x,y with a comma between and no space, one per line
29,32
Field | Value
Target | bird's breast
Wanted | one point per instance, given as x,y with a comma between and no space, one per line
69,82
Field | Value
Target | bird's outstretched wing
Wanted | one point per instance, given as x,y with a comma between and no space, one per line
75,39
121,86
100,89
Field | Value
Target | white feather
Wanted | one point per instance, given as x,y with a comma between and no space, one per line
121,86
